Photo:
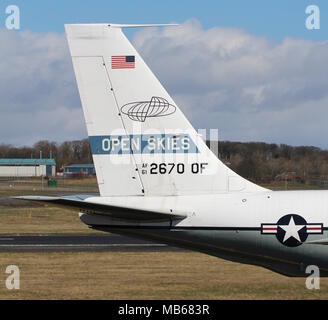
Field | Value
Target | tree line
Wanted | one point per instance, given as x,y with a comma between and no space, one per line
259,162
66,153
262,162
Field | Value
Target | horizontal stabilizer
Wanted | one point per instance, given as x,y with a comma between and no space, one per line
113,211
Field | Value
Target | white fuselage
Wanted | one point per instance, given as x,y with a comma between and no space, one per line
234,226
233,210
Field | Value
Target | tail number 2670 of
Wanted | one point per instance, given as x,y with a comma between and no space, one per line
171,168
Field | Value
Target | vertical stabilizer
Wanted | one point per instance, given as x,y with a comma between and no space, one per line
142,144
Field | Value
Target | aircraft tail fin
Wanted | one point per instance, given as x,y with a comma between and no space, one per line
142,144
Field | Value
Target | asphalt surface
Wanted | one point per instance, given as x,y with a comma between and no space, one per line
44,243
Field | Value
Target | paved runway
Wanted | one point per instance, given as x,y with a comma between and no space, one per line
77,243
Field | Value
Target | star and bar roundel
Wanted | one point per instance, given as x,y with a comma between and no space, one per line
292,230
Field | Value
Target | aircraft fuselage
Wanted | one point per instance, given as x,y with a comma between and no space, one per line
284,231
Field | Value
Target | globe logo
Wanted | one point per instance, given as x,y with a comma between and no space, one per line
141,111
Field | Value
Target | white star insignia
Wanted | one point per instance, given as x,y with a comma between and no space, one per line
292,230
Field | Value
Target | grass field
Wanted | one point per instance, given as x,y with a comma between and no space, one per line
157,275
19,217
40,220
124,275
36,186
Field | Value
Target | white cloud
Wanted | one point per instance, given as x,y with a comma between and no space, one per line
248,87
39,98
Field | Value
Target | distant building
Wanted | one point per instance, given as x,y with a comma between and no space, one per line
27,167
80,169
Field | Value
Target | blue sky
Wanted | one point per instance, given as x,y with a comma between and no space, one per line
275,19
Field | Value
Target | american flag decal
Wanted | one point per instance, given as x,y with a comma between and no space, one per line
123,62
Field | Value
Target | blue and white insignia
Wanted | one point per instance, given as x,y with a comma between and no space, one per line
292,230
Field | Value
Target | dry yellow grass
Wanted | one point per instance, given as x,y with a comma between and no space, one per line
19,217
40,220
155,275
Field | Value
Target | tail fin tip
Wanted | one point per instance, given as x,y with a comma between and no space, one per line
154,25
126,25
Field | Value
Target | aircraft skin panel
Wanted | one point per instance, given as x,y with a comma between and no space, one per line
100,113
234,210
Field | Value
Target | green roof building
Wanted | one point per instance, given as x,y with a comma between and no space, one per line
27,167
